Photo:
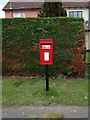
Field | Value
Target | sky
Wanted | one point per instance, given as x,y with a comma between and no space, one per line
3,3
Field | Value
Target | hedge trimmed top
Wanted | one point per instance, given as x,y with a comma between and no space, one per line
21,44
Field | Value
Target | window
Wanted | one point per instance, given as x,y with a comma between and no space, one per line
75,13
79,14
19,15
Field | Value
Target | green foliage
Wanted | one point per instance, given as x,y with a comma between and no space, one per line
88,57
52,9
87,68
20,49
52,115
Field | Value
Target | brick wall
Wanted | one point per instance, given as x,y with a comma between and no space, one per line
28,13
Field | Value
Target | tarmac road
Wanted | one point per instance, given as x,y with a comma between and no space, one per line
38,111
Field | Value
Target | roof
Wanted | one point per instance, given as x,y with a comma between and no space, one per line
23,5
76,4
38,5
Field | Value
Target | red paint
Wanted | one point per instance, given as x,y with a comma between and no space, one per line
46,51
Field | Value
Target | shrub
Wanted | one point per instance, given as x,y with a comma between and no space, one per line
20,50
52,9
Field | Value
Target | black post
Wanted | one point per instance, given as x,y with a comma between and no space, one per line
47,78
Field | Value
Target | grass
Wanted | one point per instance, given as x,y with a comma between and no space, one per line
88,57
52,115
87,60
32,91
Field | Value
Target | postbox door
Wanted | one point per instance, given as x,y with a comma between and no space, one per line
46,56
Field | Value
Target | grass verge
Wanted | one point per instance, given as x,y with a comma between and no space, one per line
32,91
87,71
88,57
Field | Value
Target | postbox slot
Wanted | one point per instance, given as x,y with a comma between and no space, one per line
46,43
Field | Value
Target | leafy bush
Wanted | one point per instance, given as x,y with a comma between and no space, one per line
20,50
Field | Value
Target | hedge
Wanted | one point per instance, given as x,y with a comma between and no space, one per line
20,45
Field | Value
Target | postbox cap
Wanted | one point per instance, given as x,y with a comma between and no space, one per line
46,41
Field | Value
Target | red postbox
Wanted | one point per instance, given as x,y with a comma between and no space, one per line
46,51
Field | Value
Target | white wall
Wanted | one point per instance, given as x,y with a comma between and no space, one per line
85,12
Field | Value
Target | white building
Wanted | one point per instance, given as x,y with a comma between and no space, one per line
79,8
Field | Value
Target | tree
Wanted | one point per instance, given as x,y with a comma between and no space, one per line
52,9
